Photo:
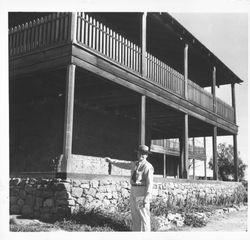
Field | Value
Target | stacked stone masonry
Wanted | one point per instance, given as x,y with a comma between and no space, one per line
55,198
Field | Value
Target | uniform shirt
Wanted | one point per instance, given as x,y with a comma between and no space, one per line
144,171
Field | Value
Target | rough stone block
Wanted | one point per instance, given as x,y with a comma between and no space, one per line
29,188
22,194
20,202
13,200
77,192
81,201
29,200
91,192
95,183
48,202
15,209
85,185
27,211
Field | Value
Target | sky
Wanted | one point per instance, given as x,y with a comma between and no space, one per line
226,35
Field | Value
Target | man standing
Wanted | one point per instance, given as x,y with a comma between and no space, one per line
141,188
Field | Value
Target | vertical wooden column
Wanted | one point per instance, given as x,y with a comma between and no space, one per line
68,120
193,168
142,131
215,161
236,161
181,161
214,89
184,148
186,71
164,165
205,161
233,100
164,159
143,72
193,159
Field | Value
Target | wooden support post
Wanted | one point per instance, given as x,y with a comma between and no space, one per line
233,100
186,70
236,161
143,121
144,44
205,161
68,121
194,168
164,165
213,89
184,150
194,158
181,161
215,161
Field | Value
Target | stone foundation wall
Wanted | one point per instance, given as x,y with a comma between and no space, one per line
55,198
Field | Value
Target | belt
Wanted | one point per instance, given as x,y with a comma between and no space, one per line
138,185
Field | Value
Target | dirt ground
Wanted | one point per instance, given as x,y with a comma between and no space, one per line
230,222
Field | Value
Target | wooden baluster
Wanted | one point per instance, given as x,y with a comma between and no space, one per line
18,39
48,30
126,52
120,49
28,26
97,36
53,28
57,22
107,42
101,37
129,54
10,41
41,32
22,39
45,28
35,34
90,31
132,55
117,47
31,35
114,44
123,50
111,43
61,27
82,27
14,40
94,34
104,41
86,29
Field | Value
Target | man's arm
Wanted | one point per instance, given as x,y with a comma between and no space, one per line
149,184
119,163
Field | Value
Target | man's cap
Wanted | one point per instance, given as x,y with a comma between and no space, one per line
143,149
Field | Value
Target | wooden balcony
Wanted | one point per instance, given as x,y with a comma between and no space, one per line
63,28
172,147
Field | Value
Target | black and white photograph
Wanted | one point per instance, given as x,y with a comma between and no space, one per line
125,118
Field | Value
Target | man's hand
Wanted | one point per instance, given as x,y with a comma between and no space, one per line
108,160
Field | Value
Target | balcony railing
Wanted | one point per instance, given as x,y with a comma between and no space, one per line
56,29
174,146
